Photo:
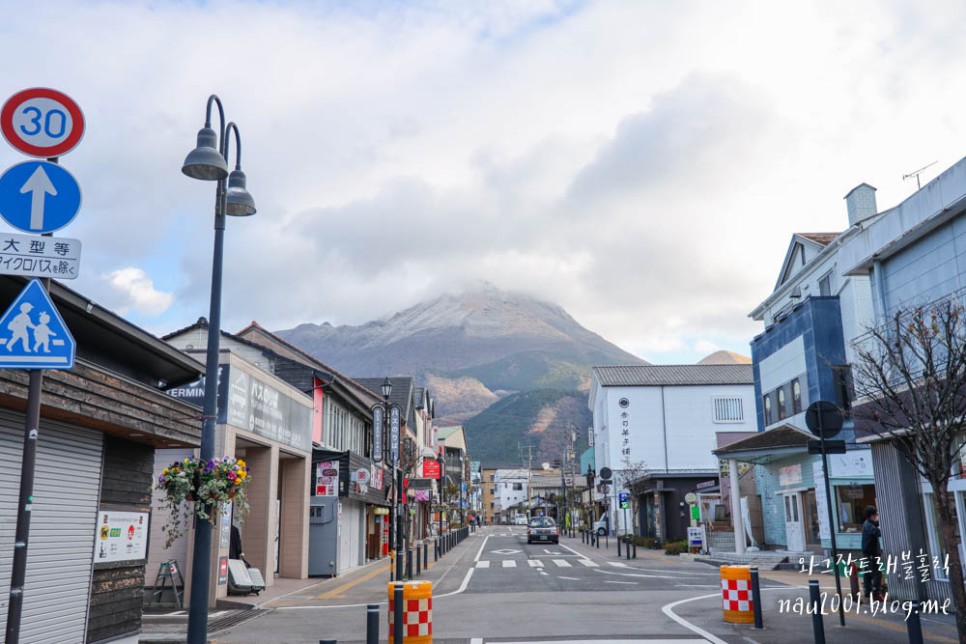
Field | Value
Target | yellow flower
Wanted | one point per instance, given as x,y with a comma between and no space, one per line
241,463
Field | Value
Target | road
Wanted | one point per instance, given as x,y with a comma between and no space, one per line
494,587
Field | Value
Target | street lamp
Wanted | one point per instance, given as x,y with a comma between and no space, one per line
590,493
396,520
207,163
442,482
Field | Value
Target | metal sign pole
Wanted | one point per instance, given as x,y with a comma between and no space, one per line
831,517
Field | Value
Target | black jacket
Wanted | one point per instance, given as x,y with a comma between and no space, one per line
870,539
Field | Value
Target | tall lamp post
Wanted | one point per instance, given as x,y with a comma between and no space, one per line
442,482
590,494
208,163
397,523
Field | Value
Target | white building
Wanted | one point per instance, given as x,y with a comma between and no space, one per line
656,426
510,494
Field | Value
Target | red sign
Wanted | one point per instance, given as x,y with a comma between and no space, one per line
431,469
42,122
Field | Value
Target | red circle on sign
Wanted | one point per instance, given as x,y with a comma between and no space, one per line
70,138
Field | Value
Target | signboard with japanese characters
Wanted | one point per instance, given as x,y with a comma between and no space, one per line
121,536
33,256
327,478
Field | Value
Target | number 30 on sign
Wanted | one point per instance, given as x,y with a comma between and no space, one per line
42,122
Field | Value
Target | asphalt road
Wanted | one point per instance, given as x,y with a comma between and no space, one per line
494,587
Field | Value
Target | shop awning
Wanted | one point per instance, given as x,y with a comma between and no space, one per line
776,443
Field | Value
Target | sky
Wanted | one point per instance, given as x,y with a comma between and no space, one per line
642,164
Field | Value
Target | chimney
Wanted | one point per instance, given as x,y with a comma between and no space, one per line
860,203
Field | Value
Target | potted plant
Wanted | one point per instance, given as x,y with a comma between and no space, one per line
207,485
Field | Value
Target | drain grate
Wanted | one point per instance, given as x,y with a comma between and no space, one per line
234,618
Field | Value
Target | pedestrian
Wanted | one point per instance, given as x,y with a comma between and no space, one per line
872,551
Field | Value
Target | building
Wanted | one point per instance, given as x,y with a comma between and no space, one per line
267,422
801,358
452,442
511,494
349,518
655,428
911,256
100,425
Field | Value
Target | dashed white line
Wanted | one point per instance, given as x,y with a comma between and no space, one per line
617,564
533,563
509,563
563,563
482,564
588,563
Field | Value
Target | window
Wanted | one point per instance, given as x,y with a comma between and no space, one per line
851,501
782,410
796,397
766,402
842,381
825,284
728,409
518,486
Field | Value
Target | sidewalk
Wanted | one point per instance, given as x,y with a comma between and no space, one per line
785,598
367,584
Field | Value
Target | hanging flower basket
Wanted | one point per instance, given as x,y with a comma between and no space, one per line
201,488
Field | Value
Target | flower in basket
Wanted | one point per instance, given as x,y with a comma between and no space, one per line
208,484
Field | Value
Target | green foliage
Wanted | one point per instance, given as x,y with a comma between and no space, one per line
675,547
495,434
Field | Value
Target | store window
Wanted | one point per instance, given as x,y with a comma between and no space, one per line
851,501
782,410
796,397
767,404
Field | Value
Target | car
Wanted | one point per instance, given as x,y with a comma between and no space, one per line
601,525
543,529
519,520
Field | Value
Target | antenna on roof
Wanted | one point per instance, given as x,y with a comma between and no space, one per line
916,174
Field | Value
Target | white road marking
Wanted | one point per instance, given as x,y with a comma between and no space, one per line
563,563
588,563
482,564
617,564
669,611
509,563
533,563
570,578
480,552
610,581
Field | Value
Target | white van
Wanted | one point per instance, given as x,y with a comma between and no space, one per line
602,525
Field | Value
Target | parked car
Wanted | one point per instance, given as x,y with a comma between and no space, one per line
602,525
543,529
520,519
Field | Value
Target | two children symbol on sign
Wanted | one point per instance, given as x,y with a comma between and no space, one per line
22,323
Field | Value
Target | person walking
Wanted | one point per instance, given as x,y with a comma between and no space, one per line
872,551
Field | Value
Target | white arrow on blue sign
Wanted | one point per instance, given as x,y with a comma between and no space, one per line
32,333
38,197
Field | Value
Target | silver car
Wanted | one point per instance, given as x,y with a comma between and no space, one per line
543,529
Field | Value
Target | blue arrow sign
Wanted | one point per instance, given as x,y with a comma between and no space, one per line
32,333
38,197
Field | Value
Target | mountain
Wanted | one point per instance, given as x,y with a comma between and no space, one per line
471,349
532,426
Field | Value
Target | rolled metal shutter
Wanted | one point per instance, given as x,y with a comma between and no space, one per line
62,527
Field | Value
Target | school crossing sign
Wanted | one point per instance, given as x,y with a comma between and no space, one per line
32,333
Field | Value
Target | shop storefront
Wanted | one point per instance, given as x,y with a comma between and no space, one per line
268,423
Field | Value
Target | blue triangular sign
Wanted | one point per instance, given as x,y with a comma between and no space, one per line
32,333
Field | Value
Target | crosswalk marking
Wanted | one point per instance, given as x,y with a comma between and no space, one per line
539,563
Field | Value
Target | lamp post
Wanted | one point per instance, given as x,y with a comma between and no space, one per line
207,163
396,520
442,481
590,494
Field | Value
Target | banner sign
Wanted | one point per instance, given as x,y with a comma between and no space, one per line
327,478
121,536
394,433
378,427
431,469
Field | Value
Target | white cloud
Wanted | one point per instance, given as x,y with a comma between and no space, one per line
137,293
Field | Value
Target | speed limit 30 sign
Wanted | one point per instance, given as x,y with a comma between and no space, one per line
42,122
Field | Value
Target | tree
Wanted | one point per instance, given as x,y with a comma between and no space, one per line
627,476
911,372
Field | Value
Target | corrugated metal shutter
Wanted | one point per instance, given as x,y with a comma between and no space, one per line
62,528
